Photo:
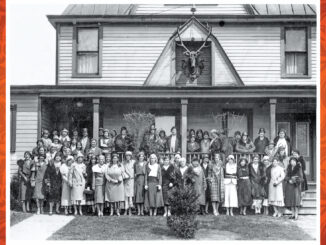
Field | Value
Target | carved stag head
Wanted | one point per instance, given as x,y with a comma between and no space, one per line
193,67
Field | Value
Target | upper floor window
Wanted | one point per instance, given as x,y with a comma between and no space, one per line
296,52
87,51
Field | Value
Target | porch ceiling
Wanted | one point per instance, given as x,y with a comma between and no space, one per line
168,92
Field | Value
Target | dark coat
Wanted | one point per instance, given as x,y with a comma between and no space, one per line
304,186
261,144
216,145
52,183
177,143
258,181
292,195
123,144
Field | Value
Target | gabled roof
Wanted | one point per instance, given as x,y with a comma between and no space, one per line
225,69
98,9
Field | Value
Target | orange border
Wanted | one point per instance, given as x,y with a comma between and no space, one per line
323,121
3,121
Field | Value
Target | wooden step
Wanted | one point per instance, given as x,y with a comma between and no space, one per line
309,202
310,194
312,185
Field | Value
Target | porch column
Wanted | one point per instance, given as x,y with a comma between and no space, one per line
184,107
96,118
272,106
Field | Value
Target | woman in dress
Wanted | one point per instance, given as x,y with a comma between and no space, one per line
114,189
283,140
294,179
275,191
261,142
205,143
78,150
199,184
107,142
73,145
89,190
53,183
270,150
206,165
230,185
37,180
161,141
168,182
192,145
257,173
66,188
268,166
199,135
93,148
128,181
296,154
215,144
153,185
244,186
245,145
216,183
46,140
139,172
39,144
77,181
56,143
25,174
98,183
282,157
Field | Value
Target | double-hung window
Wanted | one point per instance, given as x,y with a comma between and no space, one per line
296,52
87,51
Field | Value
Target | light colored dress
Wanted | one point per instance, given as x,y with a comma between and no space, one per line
114,192
275,193
99,182
230,185
77,172
129,182
40,168
66,189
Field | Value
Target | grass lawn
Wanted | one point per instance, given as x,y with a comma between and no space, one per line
154,228
16,217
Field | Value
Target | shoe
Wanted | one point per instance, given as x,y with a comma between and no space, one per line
244,213
169,213
231,214
275,214
165,214
50,213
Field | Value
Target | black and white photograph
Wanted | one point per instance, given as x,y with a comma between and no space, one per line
163,121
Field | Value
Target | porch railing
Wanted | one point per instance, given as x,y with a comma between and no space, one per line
199,155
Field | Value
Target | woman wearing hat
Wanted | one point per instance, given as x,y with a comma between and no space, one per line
275,191
257,174
128,181
89,190
216,182
85,141
38,172
139,173
282,140
230,185
244,186
293,181
25,173
153,186
56,143
206,166
98,184
107,142
66,188
114,189
168,183
245,145
123,142
53,182
261,142
199,184
64,137
268,166
77,179
215,144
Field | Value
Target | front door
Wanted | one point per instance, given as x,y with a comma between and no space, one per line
302,132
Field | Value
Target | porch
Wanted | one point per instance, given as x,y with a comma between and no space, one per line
233,113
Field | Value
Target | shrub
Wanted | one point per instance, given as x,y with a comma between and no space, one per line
15,204
183,201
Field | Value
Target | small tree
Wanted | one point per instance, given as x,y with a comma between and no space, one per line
138,123
184,206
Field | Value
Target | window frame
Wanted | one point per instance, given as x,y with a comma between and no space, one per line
75,74
13,127
283,63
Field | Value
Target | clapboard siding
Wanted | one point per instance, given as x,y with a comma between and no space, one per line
130,52
26,126
224,9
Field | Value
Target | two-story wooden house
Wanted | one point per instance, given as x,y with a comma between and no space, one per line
256,61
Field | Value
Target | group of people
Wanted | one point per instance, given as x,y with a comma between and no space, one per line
73,172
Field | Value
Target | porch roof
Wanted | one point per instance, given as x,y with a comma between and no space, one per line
167,92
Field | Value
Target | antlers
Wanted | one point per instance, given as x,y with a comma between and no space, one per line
187,52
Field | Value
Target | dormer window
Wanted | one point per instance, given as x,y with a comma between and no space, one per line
87,52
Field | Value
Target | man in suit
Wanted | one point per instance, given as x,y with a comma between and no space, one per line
173,143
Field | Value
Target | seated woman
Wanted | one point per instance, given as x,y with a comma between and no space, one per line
123,141
107,142
192,145
245,145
